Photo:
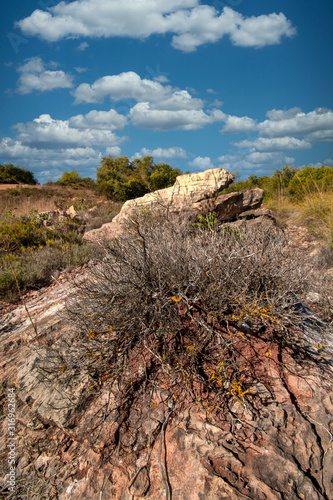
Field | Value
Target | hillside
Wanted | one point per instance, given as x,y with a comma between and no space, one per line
184,357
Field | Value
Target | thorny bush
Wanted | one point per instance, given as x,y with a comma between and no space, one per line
164,307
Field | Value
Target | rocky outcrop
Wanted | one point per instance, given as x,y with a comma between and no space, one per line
273,444
192,194
188,192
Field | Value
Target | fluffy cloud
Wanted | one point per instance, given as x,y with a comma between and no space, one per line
167,153
57,160
262,158
321,136
284,130
191,23
129,85
159,107
238,124
282,114
142,115
315,126
100,120
49,133
297,123
34,76
255,161
261,31
276,144
64,144
202,163
113,151
11,148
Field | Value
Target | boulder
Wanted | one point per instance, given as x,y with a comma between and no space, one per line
191,195
230,205
187,193
71,212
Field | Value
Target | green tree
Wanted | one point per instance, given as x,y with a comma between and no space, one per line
118,178
16,175
74,178
123,179
163,176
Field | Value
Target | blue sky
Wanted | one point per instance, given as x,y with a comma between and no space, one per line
240,84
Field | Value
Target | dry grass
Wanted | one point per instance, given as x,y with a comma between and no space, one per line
314,211
282,207
21,200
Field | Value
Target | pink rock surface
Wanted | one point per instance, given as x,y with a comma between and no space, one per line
275,445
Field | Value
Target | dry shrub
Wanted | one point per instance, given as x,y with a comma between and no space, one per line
168,309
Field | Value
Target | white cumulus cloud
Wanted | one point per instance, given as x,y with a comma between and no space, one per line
191,23
276,144
46,132
257,161
142,115
297,123
202,163
284,130
49,164
35,76
238,124
129,85
113,151
100,120
167,153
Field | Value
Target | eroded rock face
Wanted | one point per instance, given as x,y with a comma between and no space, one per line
230,205
188,190
274,444
192,194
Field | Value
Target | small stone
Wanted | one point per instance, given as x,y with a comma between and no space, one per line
141,483
314,298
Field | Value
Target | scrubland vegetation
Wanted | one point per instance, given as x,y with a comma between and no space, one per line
173,316
301,197
33,250
170,315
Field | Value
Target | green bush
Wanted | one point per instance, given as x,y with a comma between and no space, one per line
33,269
30,252
162,176
252,182
18,233
276,184
310,180
16,175
74,179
